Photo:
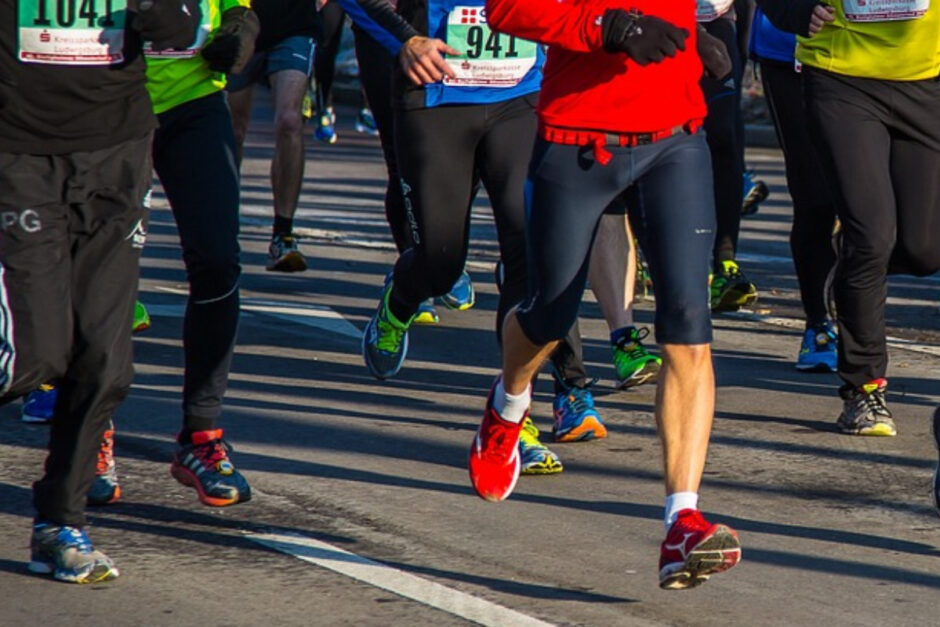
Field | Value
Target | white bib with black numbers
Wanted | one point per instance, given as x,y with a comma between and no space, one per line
884,10
71,32
489,59
708,10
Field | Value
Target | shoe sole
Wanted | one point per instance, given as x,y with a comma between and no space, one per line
35,420
733,304
645,374
291,262
101,572
139,328
542,470
880,430
589,429
188,479
716,553
820,367
426,318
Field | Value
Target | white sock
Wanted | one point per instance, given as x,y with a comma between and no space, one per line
675,503
511,407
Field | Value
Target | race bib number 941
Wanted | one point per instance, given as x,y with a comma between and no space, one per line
71,32
489,59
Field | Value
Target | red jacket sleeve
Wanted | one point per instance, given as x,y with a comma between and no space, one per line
569,25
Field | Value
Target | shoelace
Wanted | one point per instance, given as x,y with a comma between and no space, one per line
390,336
212,452
77,538
496,443
635,341
579,400
874,402
105,453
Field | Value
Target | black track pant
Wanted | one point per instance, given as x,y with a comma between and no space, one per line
194,155
332,17
443,152
71,230
813,211
724,129
879,144
376,67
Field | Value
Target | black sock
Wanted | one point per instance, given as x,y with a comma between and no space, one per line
282,225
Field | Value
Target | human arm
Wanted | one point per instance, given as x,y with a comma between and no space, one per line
233,42
167,23
803,17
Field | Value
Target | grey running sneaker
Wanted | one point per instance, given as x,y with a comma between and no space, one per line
385,340
535,457
67,554
284,255
864,411
105,488
936,474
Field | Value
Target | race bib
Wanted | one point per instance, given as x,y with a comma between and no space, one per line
71,32
489,59
884,10
202,33
708,10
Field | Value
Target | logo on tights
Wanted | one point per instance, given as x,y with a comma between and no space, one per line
409,212
28,220
138,235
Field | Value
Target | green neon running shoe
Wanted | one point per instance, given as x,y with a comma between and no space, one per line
634,364
385,340
730,289
141,318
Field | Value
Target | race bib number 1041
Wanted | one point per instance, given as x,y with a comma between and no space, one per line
71,32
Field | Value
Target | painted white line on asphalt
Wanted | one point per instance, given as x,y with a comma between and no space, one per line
310,315
404,584
316,316
794,323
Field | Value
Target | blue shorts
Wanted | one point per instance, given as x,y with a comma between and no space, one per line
292,53
667,189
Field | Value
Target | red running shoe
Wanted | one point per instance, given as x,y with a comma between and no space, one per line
694,549
494,456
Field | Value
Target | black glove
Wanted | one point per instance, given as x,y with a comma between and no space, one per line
233,42
645,39
168,23
714,55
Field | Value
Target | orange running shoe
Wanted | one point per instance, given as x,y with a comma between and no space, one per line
204,465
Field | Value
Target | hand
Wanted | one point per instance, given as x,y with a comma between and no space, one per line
168,23
233,42
714,55
822,15
645,39
421,59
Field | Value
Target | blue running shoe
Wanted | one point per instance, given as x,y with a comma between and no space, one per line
67,554
755,192
461,296
575,416
325,131
427,314
39,404
818,352
365,122
385,340
205,466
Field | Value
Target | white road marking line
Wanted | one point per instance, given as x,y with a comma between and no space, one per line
793,323
404,584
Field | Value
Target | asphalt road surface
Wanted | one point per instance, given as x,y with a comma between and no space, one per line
363,512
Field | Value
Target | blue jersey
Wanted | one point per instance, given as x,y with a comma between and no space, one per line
492,67
769,42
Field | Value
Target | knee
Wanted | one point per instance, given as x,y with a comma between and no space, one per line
289,123
543,324
920,258
213,277
443,275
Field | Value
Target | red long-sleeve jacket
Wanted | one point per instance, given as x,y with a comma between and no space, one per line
585,88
